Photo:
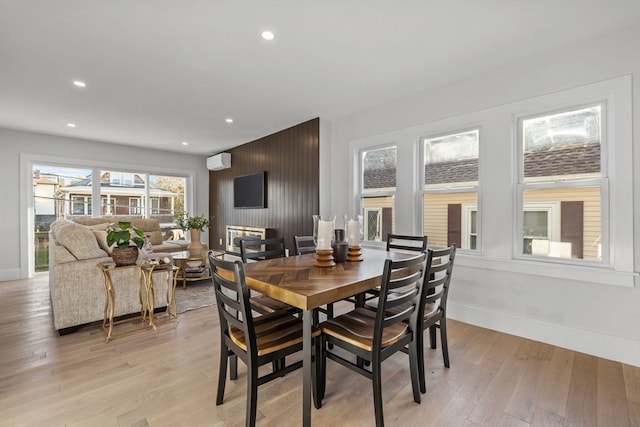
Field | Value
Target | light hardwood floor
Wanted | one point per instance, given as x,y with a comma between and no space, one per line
168,377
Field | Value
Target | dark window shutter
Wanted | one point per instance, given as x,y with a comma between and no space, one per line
454,225
572,226
387,222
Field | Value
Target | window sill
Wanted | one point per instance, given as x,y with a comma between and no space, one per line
588,274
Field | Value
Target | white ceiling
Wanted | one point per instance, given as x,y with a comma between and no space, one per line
160,72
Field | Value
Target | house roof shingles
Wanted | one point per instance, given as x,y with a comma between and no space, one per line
571,159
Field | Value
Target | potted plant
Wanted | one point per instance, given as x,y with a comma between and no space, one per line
127,239
196,225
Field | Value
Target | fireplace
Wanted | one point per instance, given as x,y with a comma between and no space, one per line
236,232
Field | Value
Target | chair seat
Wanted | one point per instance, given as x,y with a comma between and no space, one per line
430,309
265,305
357,327
273,332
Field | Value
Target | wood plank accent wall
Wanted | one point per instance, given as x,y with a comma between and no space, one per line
291,159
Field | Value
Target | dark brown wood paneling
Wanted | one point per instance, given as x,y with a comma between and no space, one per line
291,161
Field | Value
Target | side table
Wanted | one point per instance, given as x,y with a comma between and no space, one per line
172,272
147,301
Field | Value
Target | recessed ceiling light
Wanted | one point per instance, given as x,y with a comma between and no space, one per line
268,35
228,120
184,143
79,83
71,125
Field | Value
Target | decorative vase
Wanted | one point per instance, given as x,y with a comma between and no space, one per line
125,256
340,246
195,244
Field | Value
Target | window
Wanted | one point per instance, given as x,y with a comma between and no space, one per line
167,195
378,186
135,206
450,189
561,184
121,178
155,205
80,205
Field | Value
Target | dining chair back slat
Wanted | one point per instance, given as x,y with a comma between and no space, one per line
407,242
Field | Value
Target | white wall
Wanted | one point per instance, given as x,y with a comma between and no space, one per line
18,147
591,316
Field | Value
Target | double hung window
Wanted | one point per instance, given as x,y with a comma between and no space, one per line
562,184
377,191
450,189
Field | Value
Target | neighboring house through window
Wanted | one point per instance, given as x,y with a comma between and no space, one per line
561,184
377,191
450,189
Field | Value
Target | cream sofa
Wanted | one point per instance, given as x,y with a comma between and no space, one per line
75,280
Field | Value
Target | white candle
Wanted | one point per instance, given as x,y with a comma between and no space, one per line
353,232
325,229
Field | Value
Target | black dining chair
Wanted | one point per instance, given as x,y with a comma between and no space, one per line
305,245
406,242
403,242
374,336
261,249
434,314
269,338
435,306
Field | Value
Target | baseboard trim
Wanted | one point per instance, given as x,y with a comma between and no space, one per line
10,274
606,346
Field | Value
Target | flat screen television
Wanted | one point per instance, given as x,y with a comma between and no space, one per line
249,191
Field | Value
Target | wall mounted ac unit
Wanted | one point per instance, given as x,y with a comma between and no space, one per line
219,161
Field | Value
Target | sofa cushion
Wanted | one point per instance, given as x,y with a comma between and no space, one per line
79,240
156,237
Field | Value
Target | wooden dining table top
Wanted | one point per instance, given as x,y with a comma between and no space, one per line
296,280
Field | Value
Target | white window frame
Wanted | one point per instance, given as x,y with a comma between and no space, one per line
467,209
86,202
366,194
137,206
154,207
456,188
602,182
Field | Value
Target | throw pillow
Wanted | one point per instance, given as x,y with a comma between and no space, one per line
101,238
80,241
156,237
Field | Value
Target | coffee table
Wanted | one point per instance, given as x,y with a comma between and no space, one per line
194,265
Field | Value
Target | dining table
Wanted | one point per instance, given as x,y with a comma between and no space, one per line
298,281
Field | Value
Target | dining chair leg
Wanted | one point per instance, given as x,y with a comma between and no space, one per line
432,336
252,394
414,369
377,392
316,378
421,363
233,368
322,371
444,342
222,375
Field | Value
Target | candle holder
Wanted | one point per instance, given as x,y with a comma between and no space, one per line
324,258
354,236
323,239
354,254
